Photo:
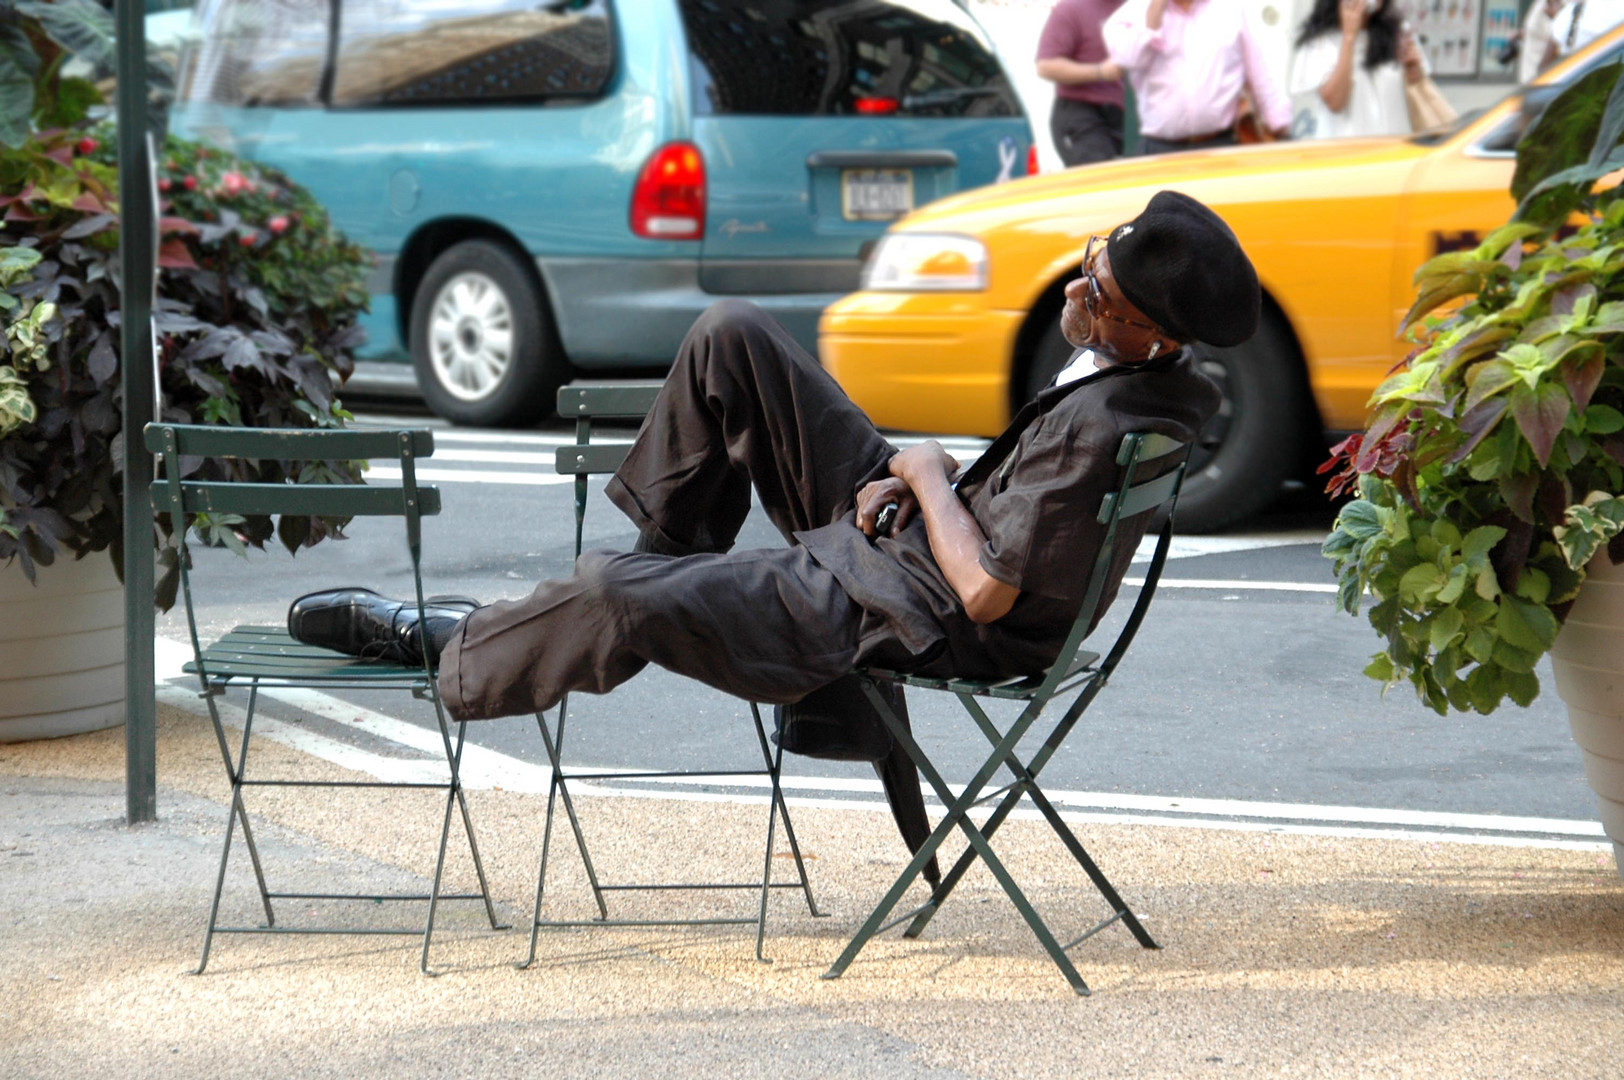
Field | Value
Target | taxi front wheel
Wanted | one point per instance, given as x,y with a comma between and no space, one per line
1245,454
480,339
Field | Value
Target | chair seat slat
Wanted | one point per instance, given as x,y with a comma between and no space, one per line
314,500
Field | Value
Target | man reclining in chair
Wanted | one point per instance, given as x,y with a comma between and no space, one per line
980,582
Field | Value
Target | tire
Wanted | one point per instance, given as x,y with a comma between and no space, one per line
1245,454
1051,355
481,339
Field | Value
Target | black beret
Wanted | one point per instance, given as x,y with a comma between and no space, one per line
1182,266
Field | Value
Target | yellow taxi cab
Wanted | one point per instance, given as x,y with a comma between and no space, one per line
957,322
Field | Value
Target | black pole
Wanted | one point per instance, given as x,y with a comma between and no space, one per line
137,263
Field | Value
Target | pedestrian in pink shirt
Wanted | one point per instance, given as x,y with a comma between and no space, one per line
1188,62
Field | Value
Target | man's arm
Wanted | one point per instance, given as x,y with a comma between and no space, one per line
1129,39
1272,103
955,538
1067,72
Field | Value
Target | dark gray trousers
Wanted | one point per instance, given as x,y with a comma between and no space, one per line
1085,132
744,406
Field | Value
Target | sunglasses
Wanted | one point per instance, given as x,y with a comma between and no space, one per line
1094,300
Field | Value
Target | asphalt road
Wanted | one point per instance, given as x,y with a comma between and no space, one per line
1244,683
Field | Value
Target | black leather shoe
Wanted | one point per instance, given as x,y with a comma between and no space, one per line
363,623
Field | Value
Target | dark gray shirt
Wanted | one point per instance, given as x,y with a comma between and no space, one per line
1038,509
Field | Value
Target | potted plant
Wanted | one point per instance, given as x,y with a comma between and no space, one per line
1488,527
256,313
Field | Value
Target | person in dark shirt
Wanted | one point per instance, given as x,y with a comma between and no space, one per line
979,581
1086,121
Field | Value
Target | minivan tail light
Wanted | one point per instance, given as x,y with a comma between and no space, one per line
877,106
668,202
1032,160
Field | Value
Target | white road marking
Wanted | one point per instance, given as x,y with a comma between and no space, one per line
471,476
1255,586
484,769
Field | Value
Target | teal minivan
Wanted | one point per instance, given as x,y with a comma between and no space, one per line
561,187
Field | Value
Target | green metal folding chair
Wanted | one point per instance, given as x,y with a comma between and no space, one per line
631,401
1151,476
266,656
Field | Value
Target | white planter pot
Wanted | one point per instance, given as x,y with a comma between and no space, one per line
61,649
1589,663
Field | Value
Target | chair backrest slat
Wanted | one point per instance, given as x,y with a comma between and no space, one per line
287,444
621,399
1152,447
580,459
1140,497
312,500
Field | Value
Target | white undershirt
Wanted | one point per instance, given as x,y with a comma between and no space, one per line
1082,364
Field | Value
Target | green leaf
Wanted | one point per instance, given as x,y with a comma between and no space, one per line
1360,519
18,65
1380,668
1533,585
1603,419
1443,628
1455,586
1522,687
1511,658
1485,686
1527,626
79,26
1480,644
1420,583
1564,135
1479,542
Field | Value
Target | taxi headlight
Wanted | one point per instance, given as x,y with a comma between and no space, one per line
926,262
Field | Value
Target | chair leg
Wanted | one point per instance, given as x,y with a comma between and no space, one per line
473,843
558,786
1026,777
774,757
234,813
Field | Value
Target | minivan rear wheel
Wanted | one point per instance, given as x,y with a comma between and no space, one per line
481,340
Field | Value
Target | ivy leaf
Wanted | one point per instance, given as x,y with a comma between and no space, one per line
1540,413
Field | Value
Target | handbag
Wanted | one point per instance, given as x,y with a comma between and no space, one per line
1427,105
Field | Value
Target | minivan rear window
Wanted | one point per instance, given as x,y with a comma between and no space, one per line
257,52
839,58
435,52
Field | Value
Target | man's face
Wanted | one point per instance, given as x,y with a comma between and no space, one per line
1117,331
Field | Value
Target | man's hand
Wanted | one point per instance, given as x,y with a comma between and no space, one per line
872,498
928,456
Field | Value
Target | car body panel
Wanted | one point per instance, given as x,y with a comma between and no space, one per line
557,179
1335,229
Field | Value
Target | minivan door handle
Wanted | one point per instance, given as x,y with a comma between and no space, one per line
882,159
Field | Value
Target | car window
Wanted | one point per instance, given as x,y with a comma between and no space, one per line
257,52
451,52
835,58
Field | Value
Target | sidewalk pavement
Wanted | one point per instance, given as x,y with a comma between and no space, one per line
1293,956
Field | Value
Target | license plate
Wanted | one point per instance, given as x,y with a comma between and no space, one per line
875,194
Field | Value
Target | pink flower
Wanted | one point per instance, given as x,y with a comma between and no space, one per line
247,239
164,184
278,224
233,183
87,145
190,183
